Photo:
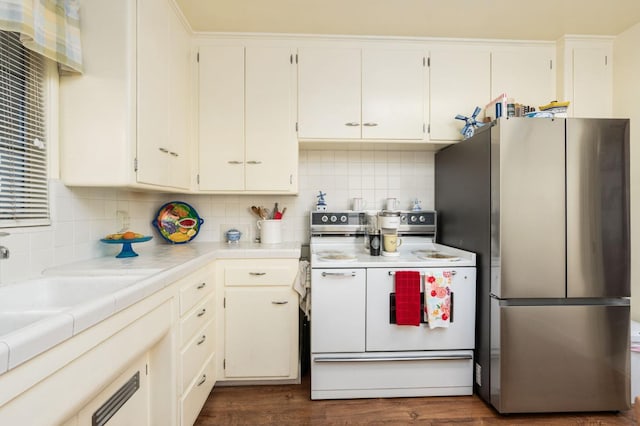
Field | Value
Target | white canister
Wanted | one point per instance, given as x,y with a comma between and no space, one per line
270,231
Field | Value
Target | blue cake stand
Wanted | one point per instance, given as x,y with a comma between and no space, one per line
127,250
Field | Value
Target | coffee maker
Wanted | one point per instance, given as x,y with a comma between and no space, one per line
389,222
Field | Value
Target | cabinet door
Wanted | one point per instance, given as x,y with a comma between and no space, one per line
179,111
221,118
459,81
329,93
393,94
525,74
271,147
260,331
592,83
153,95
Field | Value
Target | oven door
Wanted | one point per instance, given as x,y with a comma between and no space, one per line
382,334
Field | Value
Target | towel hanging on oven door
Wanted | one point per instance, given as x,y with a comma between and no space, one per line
407,289
437,299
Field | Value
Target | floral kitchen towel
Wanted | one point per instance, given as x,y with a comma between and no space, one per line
407,286
438,299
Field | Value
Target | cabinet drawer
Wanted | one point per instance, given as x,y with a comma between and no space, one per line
196,319
193,356
199,286
195,397
276,272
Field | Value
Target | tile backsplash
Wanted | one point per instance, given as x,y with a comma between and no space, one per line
81,216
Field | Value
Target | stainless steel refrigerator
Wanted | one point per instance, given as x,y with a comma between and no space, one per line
545,205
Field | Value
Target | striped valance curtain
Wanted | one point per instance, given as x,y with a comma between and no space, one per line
48,27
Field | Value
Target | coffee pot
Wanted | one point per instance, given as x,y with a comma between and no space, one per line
389,222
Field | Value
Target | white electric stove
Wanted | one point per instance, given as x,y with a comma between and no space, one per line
357,349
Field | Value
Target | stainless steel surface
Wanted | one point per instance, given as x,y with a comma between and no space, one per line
560,358
531,208
598,262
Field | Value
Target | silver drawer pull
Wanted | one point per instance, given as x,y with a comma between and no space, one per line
202,380
395,358
280,302
370,124
254,162
338,274
201,341
202,312
235,162
201,286
175,154
257,274
352,124
165,150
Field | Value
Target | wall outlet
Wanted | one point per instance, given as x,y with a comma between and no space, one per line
478,374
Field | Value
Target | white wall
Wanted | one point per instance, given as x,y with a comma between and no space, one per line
81,216
626,95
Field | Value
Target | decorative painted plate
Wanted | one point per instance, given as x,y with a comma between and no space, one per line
177,222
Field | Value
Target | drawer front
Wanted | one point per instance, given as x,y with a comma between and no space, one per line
198,287
195,397
196,352
201,314
264,272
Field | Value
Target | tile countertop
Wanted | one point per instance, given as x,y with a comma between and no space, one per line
157,266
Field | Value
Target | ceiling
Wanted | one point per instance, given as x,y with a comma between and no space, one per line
494,19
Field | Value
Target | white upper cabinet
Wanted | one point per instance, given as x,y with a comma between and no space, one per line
460,79
585,75
124,121
525,73
247,108
361,93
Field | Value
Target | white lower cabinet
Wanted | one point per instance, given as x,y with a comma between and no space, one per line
259,322
197,343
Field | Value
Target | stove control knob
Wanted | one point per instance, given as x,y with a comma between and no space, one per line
324,218
343,219
422,219
333,219
413,218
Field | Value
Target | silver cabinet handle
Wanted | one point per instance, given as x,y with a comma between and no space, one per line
370,124
352,124
254,162
165,150
338,274
235,162
201,313
201,286
175,154
274,302
201,341
257,274
202,380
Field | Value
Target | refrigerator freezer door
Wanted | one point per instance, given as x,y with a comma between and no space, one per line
528,208
560,358
598,262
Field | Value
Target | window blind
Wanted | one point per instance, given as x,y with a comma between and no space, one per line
24,197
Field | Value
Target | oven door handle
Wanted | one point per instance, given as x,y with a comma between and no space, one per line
395,358
339,274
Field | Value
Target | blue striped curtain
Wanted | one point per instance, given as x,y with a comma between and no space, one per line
49,27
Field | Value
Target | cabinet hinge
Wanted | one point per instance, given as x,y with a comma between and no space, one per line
135,164
606,59
291,58
424,127
290,179
424,61
198,178
198,57
550,64
428,61
224,302
296,58
429,128
296,126
146,369
224,364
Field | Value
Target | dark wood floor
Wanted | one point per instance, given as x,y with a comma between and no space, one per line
290,405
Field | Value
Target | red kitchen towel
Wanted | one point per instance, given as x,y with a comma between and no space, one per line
408,298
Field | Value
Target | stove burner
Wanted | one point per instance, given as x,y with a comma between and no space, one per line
341,257
431,254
